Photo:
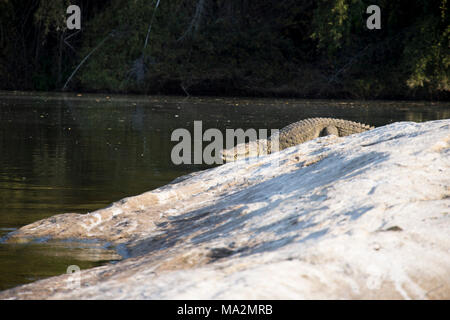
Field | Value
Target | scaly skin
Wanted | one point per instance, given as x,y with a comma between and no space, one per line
296,133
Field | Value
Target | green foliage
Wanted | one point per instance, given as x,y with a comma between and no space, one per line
331,24
51,15
307,48
215,52
112,64
429,56
414,36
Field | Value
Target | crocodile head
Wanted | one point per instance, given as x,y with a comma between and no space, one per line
245,150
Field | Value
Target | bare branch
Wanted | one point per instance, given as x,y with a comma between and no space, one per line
195,22
85,58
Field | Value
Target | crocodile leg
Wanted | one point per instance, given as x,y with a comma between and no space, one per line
329,130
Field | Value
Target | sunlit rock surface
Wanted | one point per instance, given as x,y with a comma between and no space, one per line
364,216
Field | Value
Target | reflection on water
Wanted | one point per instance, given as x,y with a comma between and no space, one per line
69,153
23,263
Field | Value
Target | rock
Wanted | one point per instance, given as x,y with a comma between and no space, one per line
360,217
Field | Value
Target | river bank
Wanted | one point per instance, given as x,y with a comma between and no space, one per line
331,218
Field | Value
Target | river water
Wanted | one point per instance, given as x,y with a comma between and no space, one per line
78,153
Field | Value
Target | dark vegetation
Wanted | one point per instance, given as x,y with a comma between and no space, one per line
301,48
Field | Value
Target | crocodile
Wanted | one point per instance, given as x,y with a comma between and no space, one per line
294,134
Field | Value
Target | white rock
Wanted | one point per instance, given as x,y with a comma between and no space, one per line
364,216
